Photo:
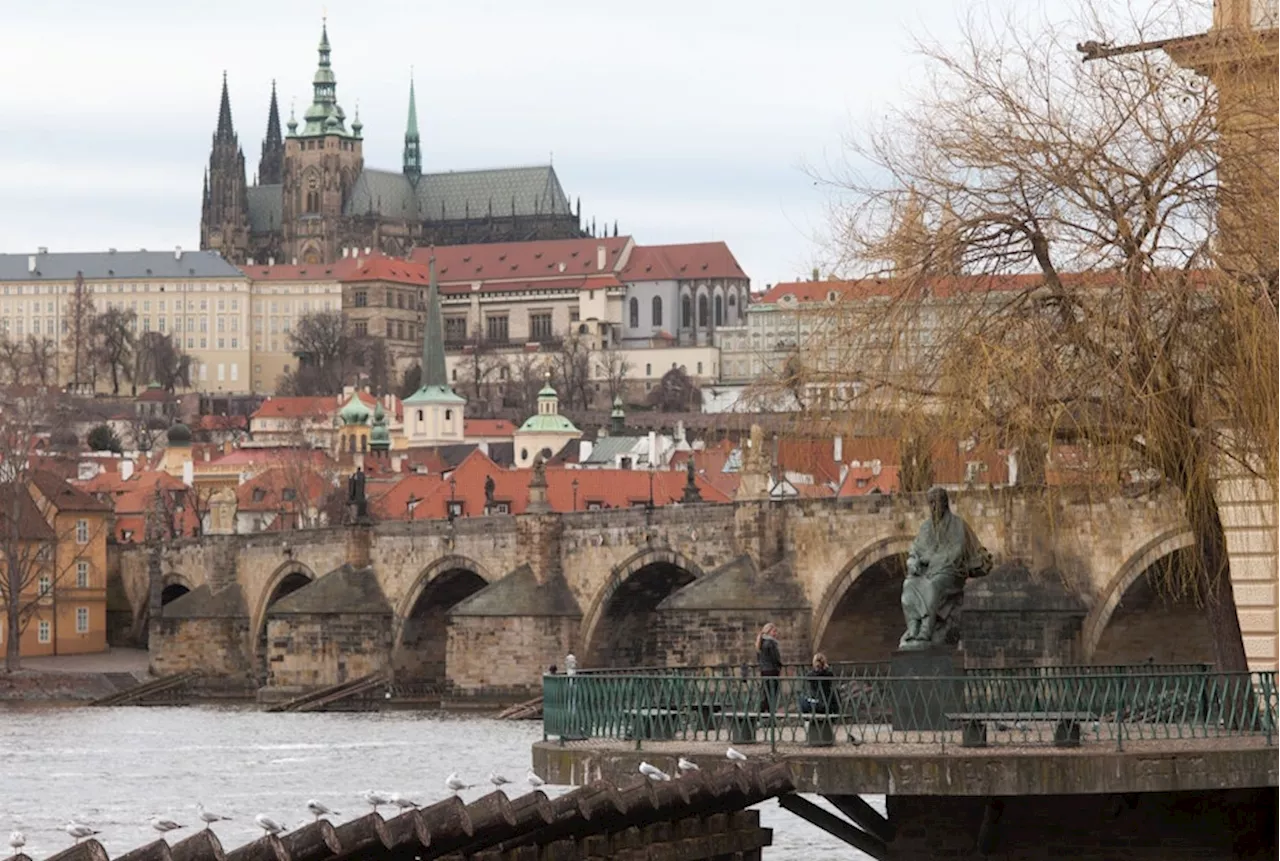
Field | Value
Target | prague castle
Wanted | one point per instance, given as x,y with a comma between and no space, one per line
314,195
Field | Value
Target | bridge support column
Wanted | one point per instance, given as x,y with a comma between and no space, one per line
538,538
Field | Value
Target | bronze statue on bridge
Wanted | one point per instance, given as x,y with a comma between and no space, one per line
943,556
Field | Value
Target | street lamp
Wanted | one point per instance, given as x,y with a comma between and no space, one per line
575,494
453,492
650,486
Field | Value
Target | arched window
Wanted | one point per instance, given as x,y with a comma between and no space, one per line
657,310
702,311
733,303
719,311
634,305
686,313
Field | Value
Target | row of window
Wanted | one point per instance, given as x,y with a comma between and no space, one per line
121,287
44,584
44,628
497,327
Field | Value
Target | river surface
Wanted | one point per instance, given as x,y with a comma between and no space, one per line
114,769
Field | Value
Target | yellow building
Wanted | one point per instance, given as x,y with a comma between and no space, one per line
281,294
61,536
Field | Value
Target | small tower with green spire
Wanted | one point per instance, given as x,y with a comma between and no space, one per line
433,415
412,143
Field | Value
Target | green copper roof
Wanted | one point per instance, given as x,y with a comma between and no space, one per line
435,381
354,412
548,391
380,437
617,407
434,395
553,423
325,116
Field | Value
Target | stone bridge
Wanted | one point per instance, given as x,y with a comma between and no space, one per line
484,605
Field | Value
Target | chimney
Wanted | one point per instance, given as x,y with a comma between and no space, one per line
295,261
346,252
126,470
43,249
653,449
601,257
397,461
177,252
584,450
189,472
226,446
837,448
31,263
248,262
271,261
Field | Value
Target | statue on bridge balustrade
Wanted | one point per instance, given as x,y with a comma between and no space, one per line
943,556
356,495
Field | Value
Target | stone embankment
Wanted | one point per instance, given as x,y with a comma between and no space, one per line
74,678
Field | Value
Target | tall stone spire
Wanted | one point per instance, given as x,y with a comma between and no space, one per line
225,130
433,366
271,165
412,143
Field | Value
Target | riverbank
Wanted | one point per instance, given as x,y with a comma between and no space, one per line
74,678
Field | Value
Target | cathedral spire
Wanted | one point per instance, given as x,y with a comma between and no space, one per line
433,365
225,130
324,116
412,143
271,165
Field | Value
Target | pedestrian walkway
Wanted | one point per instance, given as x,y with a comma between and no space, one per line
116,660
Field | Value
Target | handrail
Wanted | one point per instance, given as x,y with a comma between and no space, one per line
1015,709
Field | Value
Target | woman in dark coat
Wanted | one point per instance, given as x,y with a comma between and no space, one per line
820,696
769,659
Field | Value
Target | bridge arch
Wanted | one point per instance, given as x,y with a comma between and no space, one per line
285,580
173,586
421,636
868,588
621,608
1130,584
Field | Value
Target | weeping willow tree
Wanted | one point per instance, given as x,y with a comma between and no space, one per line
1039,270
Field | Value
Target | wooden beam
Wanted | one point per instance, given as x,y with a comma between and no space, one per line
835,826
864,816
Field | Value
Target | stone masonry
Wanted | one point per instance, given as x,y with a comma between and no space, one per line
678,585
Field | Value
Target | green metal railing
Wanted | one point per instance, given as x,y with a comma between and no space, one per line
1031,706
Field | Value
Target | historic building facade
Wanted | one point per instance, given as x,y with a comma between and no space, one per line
314,195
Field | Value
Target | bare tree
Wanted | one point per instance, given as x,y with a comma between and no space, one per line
113,344
1047,229
528,376
614,367
676,392
41,360
29,541
477,374
79,319
160,360
319,342
572,371
12,360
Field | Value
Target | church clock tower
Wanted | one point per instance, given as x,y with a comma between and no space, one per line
321,163
1239,54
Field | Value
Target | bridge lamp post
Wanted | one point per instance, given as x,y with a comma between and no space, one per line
575,494
453,493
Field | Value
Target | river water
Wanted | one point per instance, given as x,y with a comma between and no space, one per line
114,769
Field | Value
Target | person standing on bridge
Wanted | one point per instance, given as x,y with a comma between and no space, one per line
769,659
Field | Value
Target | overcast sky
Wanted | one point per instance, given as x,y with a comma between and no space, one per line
685,121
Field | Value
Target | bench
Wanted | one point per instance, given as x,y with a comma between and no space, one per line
744,724
1066,731
653,724
819,728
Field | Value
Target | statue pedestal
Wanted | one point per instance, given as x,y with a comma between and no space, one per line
927,683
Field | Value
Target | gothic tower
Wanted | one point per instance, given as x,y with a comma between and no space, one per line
412,143
321,164
1239,54
271,165
224,219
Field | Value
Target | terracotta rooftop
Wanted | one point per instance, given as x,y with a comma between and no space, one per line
679,262
522,260
316,406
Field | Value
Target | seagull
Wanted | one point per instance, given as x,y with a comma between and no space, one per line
317,809
376,799
535,781
400,801
269,825
497,779
164,826
652,772
208,817
454,783
78,831
16,841
687,765
734,755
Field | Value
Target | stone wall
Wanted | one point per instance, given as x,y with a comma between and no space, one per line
690,638
214,646
505,656
1164,826
1014,618
306,651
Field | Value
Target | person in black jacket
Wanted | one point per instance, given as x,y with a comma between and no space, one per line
769,659
820,695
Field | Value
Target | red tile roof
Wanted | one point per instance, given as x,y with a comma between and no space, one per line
865,480
941,287
677,262
296,272
487,428
523,260
65,496
264,491
318,406
611,488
